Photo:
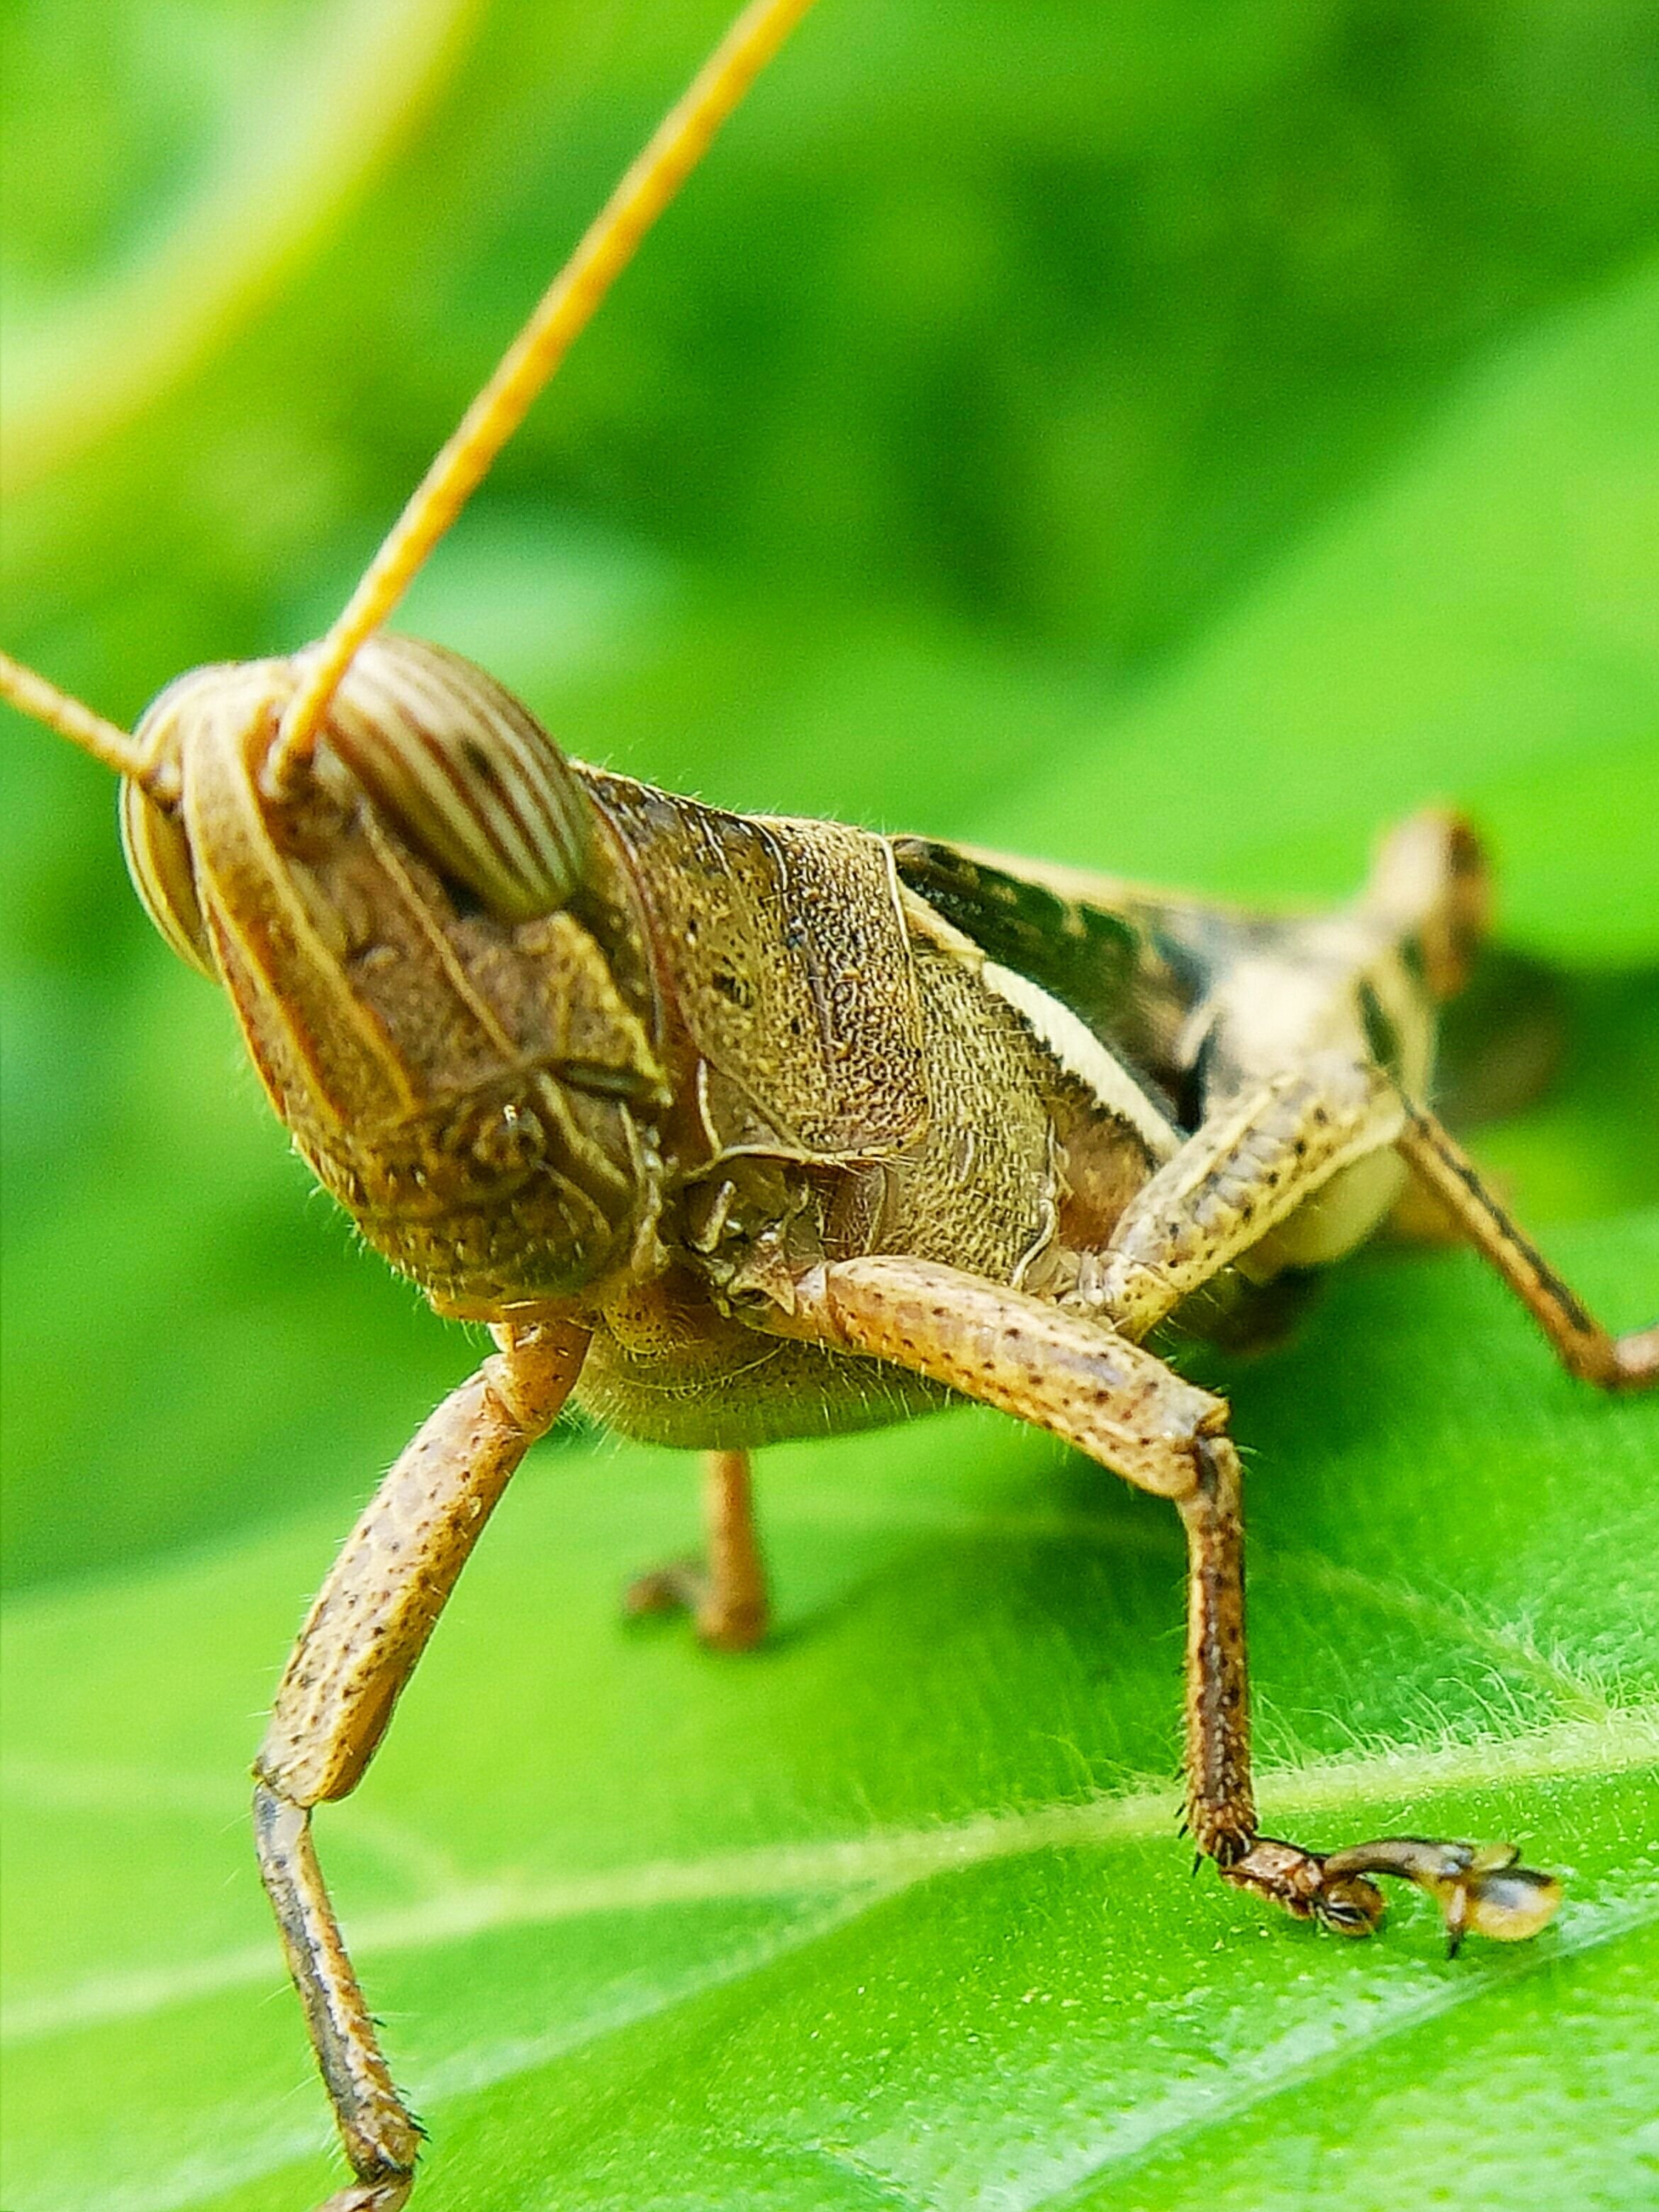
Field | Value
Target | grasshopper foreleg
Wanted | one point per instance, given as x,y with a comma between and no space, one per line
725,1596
358,1648
1127,1411
1072,1375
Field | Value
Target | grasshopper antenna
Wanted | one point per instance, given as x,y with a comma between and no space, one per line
106,741
676,147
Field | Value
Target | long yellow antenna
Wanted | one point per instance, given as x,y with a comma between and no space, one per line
676,147
32,695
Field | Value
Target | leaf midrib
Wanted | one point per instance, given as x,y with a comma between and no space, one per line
879,1864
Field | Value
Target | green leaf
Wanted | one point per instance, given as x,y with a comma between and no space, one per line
894,1913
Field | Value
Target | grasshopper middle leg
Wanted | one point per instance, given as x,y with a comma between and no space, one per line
726,1592
1126,1409
367,1630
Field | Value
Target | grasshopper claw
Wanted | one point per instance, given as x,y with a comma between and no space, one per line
1636,1359
677,1587
1479,1887
1508,1904
725,1621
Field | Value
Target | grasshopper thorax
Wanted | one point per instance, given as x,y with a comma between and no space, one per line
434,960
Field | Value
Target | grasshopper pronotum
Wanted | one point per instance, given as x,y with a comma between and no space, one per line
811,1127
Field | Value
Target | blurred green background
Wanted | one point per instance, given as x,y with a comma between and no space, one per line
1174,436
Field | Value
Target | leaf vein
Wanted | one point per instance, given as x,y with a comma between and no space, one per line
884,1861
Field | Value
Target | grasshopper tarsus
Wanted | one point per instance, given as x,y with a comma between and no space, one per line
677,1586
1296,1881
684,1587
1637,1360
1479,1887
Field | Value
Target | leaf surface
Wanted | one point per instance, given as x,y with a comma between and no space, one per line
894,1911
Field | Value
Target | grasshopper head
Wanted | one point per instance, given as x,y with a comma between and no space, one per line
434,956
428,931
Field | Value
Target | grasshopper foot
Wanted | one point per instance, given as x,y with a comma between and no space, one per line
725,1621
1479,1887
1287,1875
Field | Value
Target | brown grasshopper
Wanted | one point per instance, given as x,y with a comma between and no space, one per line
741,1129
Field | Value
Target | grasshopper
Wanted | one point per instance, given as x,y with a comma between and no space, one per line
741,1129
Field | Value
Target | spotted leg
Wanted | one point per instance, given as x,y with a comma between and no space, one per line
1115,1400
1582,1346
357,1649
1311,1135
1310,1143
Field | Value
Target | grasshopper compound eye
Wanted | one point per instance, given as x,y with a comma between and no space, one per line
464,771
456,767
158,860
155,836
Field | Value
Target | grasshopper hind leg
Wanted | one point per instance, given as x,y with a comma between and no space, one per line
725,1596
1586,1349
